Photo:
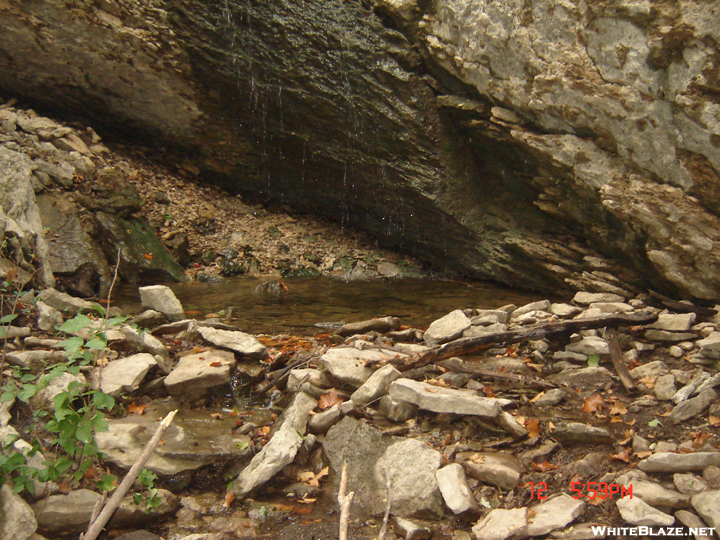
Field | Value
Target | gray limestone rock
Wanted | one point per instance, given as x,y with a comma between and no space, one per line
654,494
692,407
669,462
296,414
493,468
397,411
612,307
542,305
195,374
443,400
34,360
321,422
17,518
411,467
45,398
347,364
665,388
689,389
126,374
65,303
447,328
564,311
549,398
589,345
587,298
161,298
575,432
508,423
664,335
689,484
655,368
376,385
455,490
409,530
707,504
65,513
635,511
500,524
382,324
313,376
280,450
48,318
239,342
680,322
553,514
711,342
690,520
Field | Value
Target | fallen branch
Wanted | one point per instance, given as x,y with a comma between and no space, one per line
617,359
681,307
96,526
522,379
472,345
344,501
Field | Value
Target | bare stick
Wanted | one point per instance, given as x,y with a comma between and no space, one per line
617,359
96,527
344,501
386,517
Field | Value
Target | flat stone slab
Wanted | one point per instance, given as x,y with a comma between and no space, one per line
707,504
493,468
447,328
18,519
382,324
65,303
411,466
347,364
553,514
669,462
65,513
455,490
692,407
575,432
589,345
500,524
195,373
586,298
126,374
162,299
194,439
637,512
443,400
240,342
376,385
680,322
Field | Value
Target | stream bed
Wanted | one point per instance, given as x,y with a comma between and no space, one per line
309,302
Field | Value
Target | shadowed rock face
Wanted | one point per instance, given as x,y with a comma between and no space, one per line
545,145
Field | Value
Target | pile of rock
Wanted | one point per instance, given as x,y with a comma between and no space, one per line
485,439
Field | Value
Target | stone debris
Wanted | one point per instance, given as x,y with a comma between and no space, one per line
455,490
443,400
376,386
18,521
552,514
66,513
500,524
240,342
161,298
635,511
447,328
195,374
126,374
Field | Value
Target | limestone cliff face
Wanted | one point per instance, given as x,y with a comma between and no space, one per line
544,144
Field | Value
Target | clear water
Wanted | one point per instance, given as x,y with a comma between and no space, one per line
311,301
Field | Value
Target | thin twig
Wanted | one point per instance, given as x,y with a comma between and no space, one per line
386,517
344,501
617,359
96,527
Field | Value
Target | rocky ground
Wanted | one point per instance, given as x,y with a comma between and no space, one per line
517,422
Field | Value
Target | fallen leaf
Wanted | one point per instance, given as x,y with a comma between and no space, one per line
628,435
488,391
699,438
643,455
618,408
431,390
714,421
541,394
545,466
311,521
511,351
307,500
597,501
265,430
148,256
91,473
216,364
305,510
162,442
551,426
622,456
615,420
592,403
329,399
533,427
216,416
575,478
477,459
648,381
137,408
311,478
64,487
229,498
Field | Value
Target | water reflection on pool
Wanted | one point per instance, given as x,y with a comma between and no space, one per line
311,301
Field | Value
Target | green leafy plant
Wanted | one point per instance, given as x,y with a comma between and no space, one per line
150,497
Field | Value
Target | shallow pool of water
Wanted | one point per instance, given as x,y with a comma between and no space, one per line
310,301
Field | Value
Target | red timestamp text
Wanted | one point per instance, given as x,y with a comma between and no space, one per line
591,490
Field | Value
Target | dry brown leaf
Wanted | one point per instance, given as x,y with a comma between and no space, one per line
616,420
597,501
229,498
329,399
137,408
216,416
541,394
551,426
307,500
431,390
643,455
648,381
623,456
305,510
592,403
216,364
533,427
477,458
714,421
699,438
488,391
618,408
545,466
312,479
